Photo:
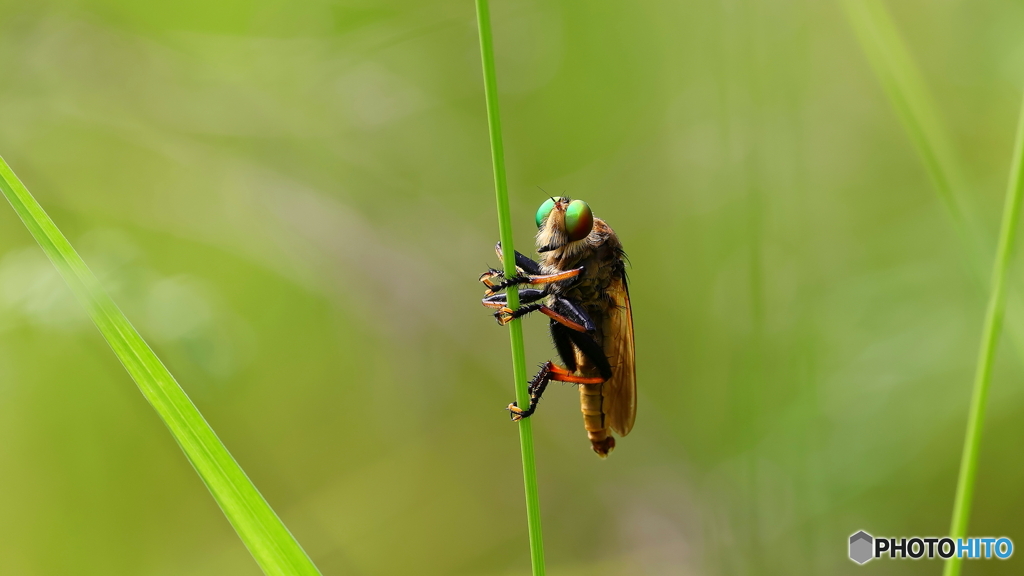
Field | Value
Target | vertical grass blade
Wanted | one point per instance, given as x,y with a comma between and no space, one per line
989,344
905,88
257,525
483,19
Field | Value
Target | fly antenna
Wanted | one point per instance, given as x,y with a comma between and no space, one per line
553,199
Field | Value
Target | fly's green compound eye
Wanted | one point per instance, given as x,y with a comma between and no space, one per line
544,210
579,220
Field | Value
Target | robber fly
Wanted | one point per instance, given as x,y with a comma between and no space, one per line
583,274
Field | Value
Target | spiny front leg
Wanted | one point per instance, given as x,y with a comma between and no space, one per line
520,279
504,314
496,281
524,266
492,278
523,263
548,372
570,315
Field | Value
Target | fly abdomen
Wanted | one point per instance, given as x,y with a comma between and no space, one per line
591,402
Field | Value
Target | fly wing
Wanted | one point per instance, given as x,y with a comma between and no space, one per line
620,390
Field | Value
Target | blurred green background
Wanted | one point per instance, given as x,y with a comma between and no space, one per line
292,202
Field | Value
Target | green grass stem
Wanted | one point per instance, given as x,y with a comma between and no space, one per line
989,344
263,533
483,19
905,88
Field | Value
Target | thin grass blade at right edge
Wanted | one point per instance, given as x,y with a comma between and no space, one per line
906,90
908,94
989,345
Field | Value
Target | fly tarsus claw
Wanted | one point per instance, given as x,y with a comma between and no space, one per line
504,316
516,413
487,278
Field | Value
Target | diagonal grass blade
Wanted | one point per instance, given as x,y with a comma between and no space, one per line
263,533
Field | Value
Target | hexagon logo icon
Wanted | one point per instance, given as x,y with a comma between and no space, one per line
861,545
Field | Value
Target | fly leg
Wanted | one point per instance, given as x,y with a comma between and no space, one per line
548,372
524,265
573,311
570,326
563,311
500,303
527,265
496,281
571,329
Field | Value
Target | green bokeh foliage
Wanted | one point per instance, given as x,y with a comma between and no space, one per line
293,202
